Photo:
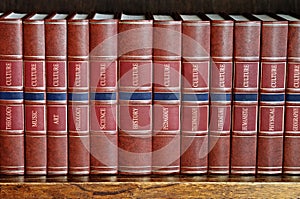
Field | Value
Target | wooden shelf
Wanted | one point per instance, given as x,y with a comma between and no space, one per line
150,186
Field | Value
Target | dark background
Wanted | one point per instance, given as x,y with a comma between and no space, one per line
155,6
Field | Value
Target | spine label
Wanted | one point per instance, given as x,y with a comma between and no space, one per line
292,122
34,74
245,118
78,117
220,118
195,74
135,74
293,80
246,75
13,116
221,75
166,117
78,74
11,73
103,117
104,74
271,118
35,115
167,74
273,75
195,118
56,74
56,116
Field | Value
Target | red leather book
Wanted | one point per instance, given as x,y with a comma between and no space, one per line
220,94
56,85
78,94
291,155
103,91
11,95
35,95
245,95
272,95
195,95
135,94
167,86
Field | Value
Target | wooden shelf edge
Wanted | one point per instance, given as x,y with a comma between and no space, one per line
162,187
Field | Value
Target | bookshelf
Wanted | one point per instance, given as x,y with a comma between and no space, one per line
151,186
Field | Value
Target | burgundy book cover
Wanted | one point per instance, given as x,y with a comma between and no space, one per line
167,94
220,94
78,94
291,156
272,95
35,95
245,95
195,94
135,94
56,87
11,95
103,94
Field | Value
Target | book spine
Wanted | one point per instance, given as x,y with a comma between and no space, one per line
291,162
103,95
220,93
56,85
135,96
195,97
11,98
272,97
78,96
245,97
35,97
167,95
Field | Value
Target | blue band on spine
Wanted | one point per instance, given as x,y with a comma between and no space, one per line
293,97
34,96
11,95
166,96
245,97
56,96
220,97
195,97
78,96
272,97
103,96
135,96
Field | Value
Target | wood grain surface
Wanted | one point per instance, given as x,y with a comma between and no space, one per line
150,187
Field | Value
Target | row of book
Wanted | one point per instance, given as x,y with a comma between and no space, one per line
149,94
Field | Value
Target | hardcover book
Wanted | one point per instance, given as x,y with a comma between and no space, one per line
103,93
245,95
78,94
272,95
220,93
195,94
56,85
135,94
11,95
167,94
291,152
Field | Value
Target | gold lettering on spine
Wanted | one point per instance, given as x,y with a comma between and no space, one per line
135,118
194,119
77,75
135,74
273,76
221,118
246,76
55,75
33,74
8,118
34,119
56,119
222,71
102,118
102,75
295,119
245,119
167,74
8,74
195,76
165,118
296,76
78,118
271,119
